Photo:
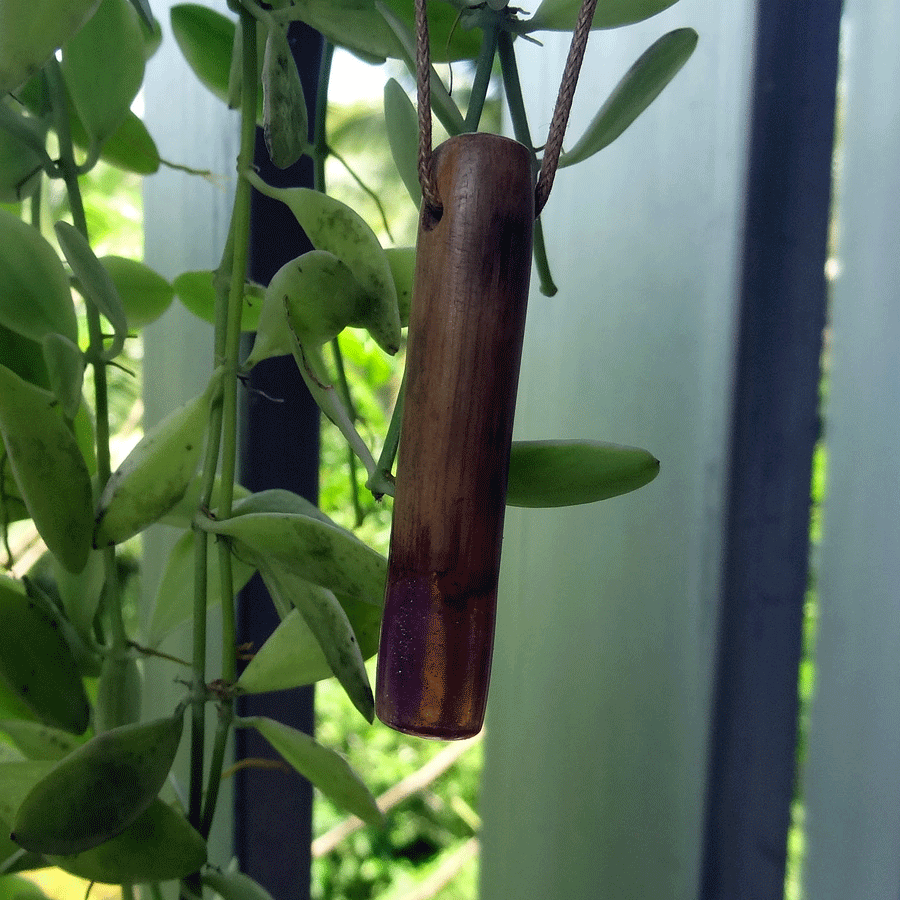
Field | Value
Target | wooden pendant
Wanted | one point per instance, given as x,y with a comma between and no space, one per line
465,342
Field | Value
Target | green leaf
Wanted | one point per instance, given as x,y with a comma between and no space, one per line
195,290
21,162
145,295
16,780
103,67
98,790
234,885
34,289
324,554
130,147
94,283
159,846
80,594
334,227
561,15
44,455
442,103
30,32
65,366
640,86
39,741
292,657
359,27
566,473
173,605
285,122
328,621
205,38
402,261
324,768
402,124
24,356
278,500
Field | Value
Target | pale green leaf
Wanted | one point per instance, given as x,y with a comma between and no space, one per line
640,86
328,621
325,769
34,289
562,15
566,473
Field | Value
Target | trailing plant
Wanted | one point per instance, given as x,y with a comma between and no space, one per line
82,780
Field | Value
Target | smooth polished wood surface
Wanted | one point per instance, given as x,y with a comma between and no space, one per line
465,343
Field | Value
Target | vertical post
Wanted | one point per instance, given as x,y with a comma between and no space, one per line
775,424
280,449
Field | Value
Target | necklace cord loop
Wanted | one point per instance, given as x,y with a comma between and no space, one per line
553,147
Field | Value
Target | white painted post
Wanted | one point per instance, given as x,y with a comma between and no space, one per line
186,224
853,772
598,720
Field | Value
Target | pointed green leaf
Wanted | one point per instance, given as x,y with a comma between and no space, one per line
43,455
16,781
30,32
640,86
205,38
81,593
324,768
173,605
98,790
334,227
327,620
34,289
195,290
39,741
561,15
234,886
103,67
145,294
278,500
402,124
292,657
285,122
402,261
130,147
94,283
442,103
65,366
566,473
159,845
324,554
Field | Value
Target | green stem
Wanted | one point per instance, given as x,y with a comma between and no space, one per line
389,448
240,240
516,105
354,418
320,133
70,171
484,68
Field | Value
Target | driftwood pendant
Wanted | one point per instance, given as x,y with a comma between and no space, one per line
465,343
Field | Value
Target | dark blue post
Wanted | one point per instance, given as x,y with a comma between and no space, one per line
273,808
774,428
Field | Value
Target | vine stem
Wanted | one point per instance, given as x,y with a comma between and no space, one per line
239,240
483,69
69,170
516,104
